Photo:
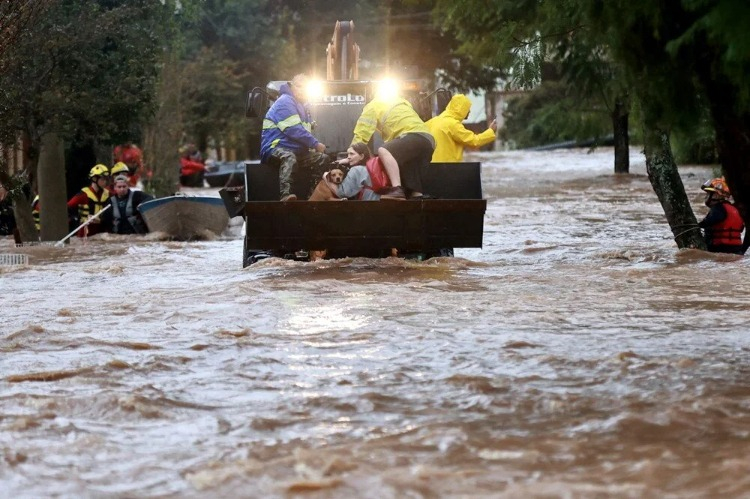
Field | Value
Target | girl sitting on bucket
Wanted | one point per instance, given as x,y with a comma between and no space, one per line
366,177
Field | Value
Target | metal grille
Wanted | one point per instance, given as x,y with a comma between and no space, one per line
11,259
35,243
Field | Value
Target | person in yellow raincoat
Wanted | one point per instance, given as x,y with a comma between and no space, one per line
451,136
408,143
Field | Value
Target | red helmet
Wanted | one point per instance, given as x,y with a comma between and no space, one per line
717,186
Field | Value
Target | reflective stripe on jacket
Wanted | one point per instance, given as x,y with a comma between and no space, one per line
391,117
451,136
35,212
287,124
94,205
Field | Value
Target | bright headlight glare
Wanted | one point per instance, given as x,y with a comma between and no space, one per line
314,90
388,89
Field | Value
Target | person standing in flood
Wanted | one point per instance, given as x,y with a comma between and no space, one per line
192,167
287,139
7,218
124,217
91,200
451,136
723,225
132,156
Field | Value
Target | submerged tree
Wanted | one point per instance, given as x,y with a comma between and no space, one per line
675,55
637,34
15,22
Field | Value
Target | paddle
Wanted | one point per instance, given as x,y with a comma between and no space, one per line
84,224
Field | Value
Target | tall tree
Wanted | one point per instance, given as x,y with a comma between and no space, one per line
229,47
637,34
523,36
716,43
85,70
676,56
15,21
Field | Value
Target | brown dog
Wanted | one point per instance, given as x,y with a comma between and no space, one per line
324,191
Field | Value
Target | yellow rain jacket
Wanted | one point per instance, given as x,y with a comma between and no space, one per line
451,136
392,118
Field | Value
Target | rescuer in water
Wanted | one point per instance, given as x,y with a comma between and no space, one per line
91,200
723,225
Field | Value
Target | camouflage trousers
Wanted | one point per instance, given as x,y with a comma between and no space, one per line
299,174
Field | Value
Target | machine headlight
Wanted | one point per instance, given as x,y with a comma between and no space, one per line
314,90
388,89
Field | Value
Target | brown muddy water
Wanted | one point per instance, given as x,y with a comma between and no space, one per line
577,354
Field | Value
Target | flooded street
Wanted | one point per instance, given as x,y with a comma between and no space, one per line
577,354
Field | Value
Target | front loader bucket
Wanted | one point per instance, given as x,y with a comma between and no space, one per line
365,228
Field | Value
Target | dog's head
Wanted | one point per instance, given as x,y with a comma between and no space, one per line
336,176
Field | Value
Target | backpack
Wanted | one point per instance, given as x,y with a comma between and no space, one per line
378,176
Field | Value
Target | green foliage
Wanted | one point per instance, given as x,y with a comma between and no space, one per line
683,58
697,144
551,113
213,88
492,35
461,74
720,26
85,70
526,37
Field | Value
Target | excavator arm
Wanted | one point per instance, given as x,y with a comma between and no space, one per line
342,54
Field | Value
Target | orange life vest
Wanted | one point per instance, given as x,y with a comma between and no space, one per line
727,232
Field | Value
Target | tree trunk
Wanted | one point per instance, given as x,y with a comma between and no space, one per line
733,141
21,204
732,126
162,135
666,181
52,192
620,116
24,218
731,117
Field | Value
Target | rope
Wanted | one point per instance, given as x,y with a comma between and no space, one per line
686,231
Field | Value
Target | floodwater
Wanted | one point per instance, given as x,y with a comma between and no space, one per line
577,354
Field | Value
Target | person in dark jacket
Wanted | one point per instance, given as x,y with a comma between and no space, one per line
7,218
723,225
287,141
124,217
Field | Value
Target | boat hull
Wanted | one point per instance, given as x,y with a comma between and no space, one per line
185,218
